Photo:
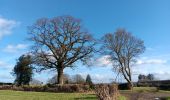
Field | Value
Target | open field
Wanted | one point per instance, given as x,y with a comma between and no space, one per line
139,93
19,95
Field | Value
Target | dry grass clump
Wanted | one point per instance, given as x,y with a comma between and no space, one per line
107,92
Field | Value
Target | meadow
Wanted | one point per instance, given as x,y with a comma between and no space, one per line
144,93
20,95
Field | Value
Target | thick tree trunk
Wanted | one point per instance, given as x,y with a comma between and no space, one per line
60,77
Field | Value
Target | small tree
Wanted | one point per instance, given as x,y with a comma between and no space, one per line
54,79
142,77
23,70
78,79
88,79
150,77
123,49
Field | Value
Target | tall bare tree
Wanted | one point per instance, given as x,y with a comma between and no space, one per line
59,43
123,49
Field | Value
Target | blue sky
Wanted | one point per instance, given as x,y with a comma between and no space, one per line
146,19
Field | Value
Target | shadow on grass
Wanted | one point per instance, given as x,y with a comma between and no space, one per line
86,98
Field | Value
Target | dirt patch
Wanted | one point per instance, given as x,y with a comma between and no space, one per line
145,95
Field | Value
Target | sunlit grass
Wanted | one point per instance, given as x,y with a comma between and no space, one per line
20,95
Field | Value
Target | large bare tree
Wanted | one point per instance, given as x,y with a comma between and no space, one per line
123,49
59,43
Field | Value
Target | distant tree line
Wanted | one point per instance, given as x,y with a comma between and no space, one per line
149,77
75,79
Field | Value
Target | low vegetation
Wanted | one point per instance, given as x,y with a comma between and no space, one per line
107,92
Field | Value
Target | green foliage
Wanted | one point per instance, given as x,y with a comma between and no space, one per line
168,98
23,70
150,77
122,98
88,79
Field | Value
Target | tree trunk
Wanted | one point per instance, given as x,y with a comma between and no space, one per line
130,85
60,77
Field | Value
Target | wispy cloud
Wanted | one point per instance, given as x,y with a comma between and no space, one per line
6,26
102,61
151,61
15,48
5,65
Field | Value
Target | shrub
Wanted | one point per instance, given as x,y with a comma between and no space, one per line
107,92
49,88
6,87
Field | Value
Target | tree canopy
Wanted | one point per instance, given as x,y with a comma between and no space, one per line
59,43
88,79
23,70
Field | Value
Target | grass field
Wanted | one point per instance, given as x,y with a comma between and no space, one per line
19,95
143,92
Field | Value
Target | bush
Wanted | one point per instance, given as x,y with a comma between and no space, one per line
107,92
49,88
6,87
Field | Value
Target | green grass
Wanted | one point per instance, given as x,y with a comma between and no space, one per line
19,95
145,89
168,98
141,89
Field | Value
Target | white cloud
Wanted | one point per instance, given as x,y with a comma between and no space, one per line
6,26
2,63
159,66
102,61
5,65
150,61
162,75
15,48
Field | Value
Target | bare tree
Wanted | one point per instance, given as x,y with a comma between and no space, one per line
53,80
59,43
123,49
78,79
